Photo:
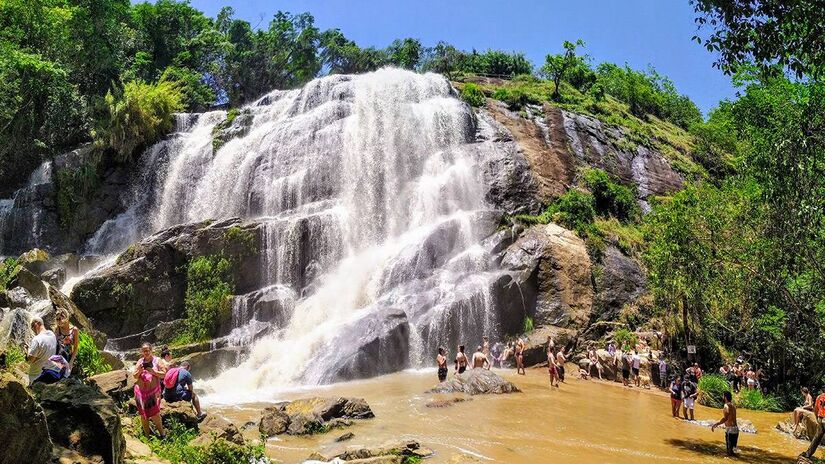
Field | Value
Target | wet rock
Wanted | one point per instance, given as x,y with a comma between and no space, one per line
552,263
345,437
32,283
23,426
445,403
14,328
18,297
312,415
83,419
54,277
208,364
233,127
147,284
118,384
388,453
476,382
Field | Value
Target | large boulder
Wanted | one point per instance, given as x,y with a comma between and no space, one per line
807,427
535,347
23,426
215,427
476,382
552,263
619,281
208,364
312,415
31,282
118,384
83,419
147,283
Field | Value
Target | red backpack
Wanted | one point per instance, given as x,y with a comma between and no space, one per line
170,380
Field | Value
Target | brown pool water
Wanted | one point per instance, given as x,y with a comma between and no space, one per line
581,422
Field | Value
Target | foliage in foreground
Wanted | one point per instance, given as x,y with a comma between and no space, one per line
9,268
177,449
712,388
88,358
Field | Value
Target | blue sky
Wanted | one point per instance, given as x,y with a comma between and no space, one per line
638,32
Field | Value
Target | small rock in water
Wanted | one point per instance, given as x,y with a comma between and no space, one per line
345,437
476,382
446,403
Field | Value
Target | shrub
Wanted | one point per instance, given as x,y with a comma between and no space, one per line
610,197
575,211
8,271
754,399
711,390
88,358
14,355
140,114
625,338
208,289
175,447
472,94
515,97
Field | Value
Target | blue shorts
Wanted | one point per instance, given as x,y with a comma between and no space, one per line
173,396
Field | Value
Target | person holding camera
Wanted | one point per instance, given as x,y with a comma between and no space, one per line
148,375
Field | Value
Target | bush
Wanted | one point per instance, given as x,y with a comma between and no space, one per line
528,324
140,114
175,448
208,291
88,358
515,97
575,211
624,338
610,197
711,388
8,271
472,94
755,400
14,356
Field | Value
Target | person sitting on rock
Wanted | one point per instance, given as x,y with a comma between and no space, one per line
42,347
480,359
148,377
178,387
807,405
68,338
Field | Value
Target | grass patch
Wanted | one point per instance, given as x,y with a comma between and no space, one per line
176,449
628,237
14,356
472,94
755,400
711,389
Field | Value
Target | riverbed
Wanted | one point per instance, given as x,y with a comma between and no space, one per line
581,422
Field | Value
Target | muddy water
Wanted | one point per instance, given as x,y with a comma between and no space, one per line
582,422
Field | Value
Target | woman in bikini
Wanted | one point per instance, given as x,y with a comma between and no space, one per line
148,376
520,357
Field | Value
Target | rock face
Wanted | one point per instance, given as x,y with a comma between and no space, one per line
312,415
147,284
83,419
23,426
619,281
476,382
118,384
535,350
807,428
34,218
552,263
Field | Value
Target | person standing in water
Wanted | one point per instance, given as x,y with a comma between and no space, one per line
676,396
520,357
731,428
552,369
635,366
560,360
485,349
460,360
441,361
480,359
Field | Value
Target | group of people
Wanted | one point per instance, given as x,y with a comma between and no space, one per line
160,377
742,375
482,358
52,353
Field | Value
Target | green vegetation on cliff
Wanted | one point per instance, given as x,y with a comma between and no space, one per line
89,359
208,290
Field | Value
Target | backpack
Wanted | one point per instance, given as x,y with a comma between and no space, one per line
170,380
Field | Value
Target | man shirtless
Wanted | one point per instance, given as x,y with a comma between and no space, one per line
441,360
560,360
480,359
520,357
731,428
485,349
460,360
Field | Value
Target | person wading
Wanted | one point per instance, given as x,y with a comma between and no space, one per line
441,361
729,420
480,359
520,357
460,360
676,396
560,360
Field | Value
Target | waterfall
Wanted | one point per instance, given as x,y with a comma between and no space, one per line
372,194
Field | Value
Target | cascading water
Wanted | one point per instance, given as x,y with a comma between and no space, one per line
372,196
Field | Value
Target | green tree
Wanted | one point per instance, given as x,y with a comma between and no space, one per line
405,53
556,67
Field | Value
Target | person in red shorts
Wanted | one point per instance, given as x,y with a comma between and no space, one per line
676,396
